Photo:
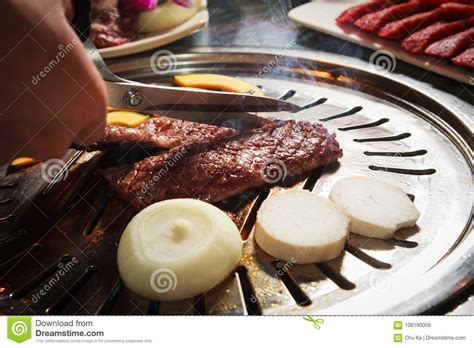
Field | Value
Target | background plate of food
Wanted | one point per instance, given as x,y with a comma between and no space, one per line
432,34
123,27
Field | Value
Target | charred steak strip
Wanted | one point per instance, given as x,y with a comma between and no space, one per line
164,132
452,45
218,170
419,41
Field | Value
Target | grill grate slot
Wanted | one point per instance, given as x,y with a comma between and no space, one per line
11,262
68,295
396,154
10,238
371,261
401,243
8,185
295,290
7,218
287,95
313,178
313,104
35,281
336,277
365,125
429,171
111,299
94,220
251,300
390,138
252,215
350,112
6,201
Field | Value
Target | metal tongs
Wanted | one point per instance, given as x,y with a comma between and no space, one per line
211,107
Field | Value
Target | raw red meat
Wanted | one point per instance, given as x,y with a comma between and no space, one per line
453,11
419,41
400,29
465,59
372,22
452,45
353,13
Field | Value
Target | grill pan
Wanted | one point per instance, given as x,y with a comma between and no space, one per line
59,237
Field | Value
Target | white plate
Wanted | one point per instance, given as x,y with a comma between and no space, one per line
321,16
144,43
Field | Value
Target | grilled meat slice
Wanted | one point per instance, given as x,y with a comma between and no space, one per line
163,132
465,59
218,170
452,45
419,41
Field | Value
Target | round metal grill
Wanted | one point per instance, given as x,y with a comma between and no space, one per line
388,128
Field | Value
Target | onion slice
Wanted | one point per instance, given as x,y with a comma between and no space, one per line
177,249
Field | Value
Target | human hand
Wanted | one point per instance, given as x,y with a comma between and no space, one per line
51,93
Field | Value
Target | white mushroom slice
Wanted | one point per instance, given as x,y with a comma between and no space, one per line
178,249
376,208
299,226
